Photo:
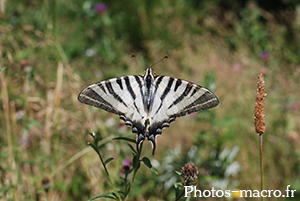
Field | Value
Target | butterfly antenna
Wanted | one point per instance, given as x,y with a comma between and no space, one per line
165,57
133,56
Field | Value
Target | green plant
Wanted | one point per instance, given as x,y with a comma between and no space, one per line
127,169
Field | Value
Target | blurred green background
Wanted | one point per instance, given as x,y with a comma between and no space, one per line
51,50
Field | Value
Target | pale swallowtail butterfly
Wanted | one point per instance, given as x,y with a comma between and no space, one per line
148,102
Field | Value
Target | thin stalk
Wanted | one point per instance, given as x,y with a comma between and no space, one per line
76,156
178,198
187,183
47,198
135,168
126,186
11,155
107,174
261,165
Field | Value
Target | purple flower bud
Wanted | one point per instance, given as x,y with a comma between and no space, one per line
294,106
100,8
127,162
265,55
126,166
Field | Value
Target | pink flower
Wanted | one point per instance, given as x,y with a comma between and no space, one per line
100,8
126,166
127,162
266,56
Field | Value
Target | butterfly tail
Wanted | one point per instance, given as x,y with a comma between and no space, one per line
139,129
139,140
152,139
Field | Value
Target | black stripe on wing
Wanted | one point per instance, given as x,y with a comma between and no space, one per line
157,83
112,92
205,101
165,93
183,95
128,85
101,87
138,80
119,81
90,97
167,89
178,83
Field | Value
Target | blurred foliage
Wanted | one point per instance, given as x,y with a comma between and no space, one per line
50,50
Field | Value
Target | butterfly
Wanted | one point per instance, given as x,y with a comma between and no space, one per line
148,103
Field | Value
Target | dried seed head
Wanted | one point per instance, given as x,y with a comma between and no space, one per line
293,136
189,172
46,184
26,66
259,112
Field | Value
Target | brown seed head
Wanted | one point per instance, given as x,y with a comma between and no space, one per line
46,184
293,136
259,112
26,66
189,172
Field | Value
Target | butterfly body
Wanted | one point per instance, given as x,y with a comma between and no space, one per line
148,103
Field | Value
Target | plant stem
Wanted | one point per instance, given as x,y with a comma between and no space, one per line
9,135
107,174
126,175
261,164
178,198
136,167
186,183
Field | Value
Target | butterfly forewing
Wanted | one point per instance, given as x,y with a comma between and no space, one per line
180,97
109,95
193,98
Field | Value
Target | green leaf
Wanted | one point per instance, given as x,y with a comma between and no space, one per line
4,154
121,193
178,184
2,69
147,162
131,147
105,195
149,165
108,160
176,191
92,134
136,162
179,173
6,188
47,160
31,162
31,124
124,138
94,147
